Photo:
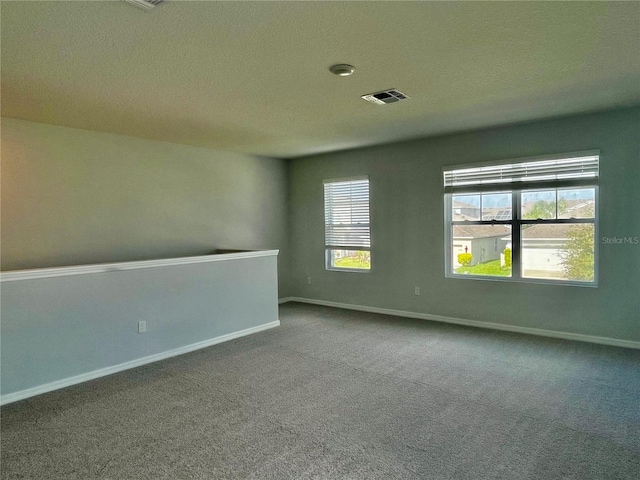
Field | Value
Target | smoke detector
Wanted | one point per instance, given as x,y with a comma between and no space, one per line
386,96
342,69
144,4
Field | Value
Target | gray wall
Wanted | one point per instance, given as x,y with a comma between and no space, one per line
75,197
72,197
407,228
57,328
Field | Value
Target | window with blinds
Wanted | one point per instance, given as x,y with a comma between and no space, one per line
531,220
569,169
346,224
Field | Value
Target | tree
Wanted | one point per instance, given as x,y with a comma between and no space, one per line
562,206
546,209
577,258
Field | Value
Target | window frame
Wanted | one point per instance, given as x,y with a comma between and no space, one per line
516,222
328,247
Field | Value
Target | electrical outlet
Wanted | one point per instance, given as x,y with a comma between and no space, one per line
308,280
142,326
417,290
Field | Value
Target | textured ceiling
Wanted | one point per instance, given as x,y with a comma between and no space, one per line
253,76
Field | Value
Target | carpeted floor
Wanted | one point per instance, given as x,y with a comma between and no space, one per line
344,395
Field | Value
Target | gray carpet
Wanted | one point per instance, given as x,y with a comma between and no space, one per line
344,395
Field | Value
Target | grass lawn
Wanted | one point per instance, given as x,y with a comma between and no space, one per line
488,268
351,262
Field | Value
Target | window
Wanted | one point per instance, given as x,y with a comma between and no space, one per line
527,220
346,225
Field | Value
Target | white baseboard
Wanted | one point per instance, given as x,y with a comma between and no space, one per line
66,382
473,323
286,299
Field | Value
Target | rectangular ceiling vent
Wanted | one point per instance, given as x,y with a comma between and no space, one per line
384,97
144,4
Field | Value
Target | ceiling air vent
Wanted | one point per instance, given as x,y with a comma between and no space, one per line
384,97
144,4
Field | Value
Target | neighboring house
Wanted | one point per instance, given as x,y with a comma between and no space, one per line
465,211
482,242
542,246
579,209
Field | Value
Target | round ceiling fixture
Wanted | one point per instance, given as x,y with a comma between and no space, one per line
342,69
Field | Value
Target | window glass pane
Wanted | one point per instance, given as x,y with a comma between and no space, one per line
481,250
359,259
496,206
558,251
577,203
465,207
539,204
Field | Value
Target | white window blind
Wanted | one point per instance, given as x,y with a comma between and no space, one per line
534,171
346,214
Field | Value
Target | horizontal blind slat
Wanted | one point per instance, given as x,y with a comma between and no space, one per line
347,214
564,168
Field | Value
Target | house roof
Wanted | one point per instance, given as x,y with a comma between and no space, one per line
579,209
254,77
556,231
480,231
544,230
